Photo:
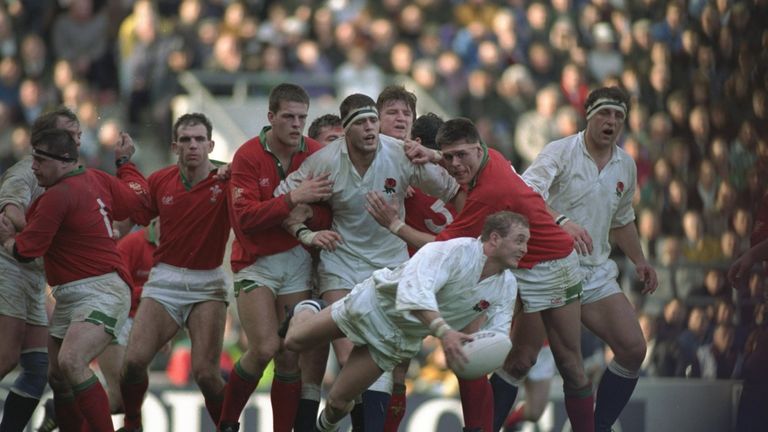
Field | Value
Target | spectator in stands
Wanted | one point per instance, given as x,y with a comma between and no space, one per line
536,128
689,341
719,359
698,247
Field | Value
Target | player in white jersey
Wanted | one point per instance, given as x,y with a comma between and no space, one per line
458,284
361,162
588,183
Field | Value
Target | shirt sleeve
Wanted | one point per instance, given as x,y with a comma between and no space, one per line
434,181
542,172
45,218
131,196
625,213
423,277
19,184
469,222
250,210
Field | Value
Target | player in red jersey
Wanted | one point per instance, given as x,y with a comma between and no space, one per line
136,250
549,276
70,225
272,269
187,287
23,318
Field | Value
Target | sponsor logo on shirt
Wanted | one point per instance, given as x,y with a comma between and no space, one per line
167,200
556,301
264,182
215,193
237,193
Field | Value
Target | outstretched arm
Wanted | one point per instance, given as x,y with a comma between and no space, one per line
386,214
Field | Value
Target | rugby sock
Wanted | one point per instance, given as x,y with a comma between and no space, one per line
68,413
17,411
477,403
504,395
285,395
517,416
396,408
213,405
94,404
375,409
238,390
579,406
357,415
613,393
133,396
306,415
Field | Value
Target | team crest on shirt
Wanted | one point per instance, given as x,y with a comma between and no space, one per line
136,187
389,185
237,193
215,193
619,189
481,306
264,182
167,200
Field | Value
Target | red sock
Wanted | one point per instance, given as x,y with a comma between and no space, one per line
68,413
94,405
133,397
395,410
515,417
239,388
477,403
580,411
285,395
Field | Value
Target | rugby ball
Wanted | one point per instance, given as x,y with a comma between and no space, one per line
485,353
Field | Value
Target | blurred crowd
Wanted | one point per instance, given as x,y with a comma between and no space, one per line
520,69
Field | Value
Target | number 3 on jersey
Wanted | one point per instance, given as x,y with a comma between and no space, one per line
438,207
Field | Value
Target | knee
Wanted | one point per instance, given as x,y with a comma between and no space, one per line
631,356
133,370
207,377
519,362
265,352
339,405
287,362
34,371
71,364
57,381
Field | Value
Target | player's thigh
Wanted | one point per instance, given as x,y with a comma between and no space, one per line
206,331
563,326
152,328
258,316
83,342
312,330
614,320
528,333
35,336
12,334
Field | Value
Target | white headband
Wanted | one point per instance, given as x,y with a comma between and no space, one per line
360,113
606,103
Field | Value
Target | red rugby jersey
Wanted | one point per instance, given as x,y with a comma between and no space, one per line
498,187
194,219
427,214
254,213
136,250
70,224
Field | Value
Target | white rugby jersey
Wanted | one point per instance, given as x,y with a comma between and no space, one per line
19,186
567,177
390,174
444,276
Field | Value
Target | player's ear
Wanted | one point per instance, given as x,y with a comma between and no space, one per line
210,146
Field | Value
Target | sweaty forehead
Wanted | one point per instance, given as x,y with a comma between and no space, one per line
192,130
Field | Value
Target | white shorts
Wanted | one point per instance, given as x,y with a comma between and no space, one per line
283,273
544,368
359,317
101,300
179,289
22,291
550,284
600,281
125,332
341,271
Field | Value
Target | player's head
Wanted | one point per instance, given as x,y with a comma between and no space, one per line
360,120
192,139
54,153
607,109
288,107
463,152
59,118
425,130
326,129
397,111
505,236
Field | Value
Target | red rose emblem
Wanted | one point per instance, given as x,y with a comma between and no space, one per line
619,189
481,305
389,185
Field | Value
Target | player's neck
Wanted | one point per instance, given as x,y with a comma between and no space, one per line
361,161
196,174
278,148
600,154
492,266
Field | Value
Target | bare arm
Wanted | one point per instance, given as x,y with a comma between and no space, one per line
386,214
15,215
627,239
451,339
582,241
